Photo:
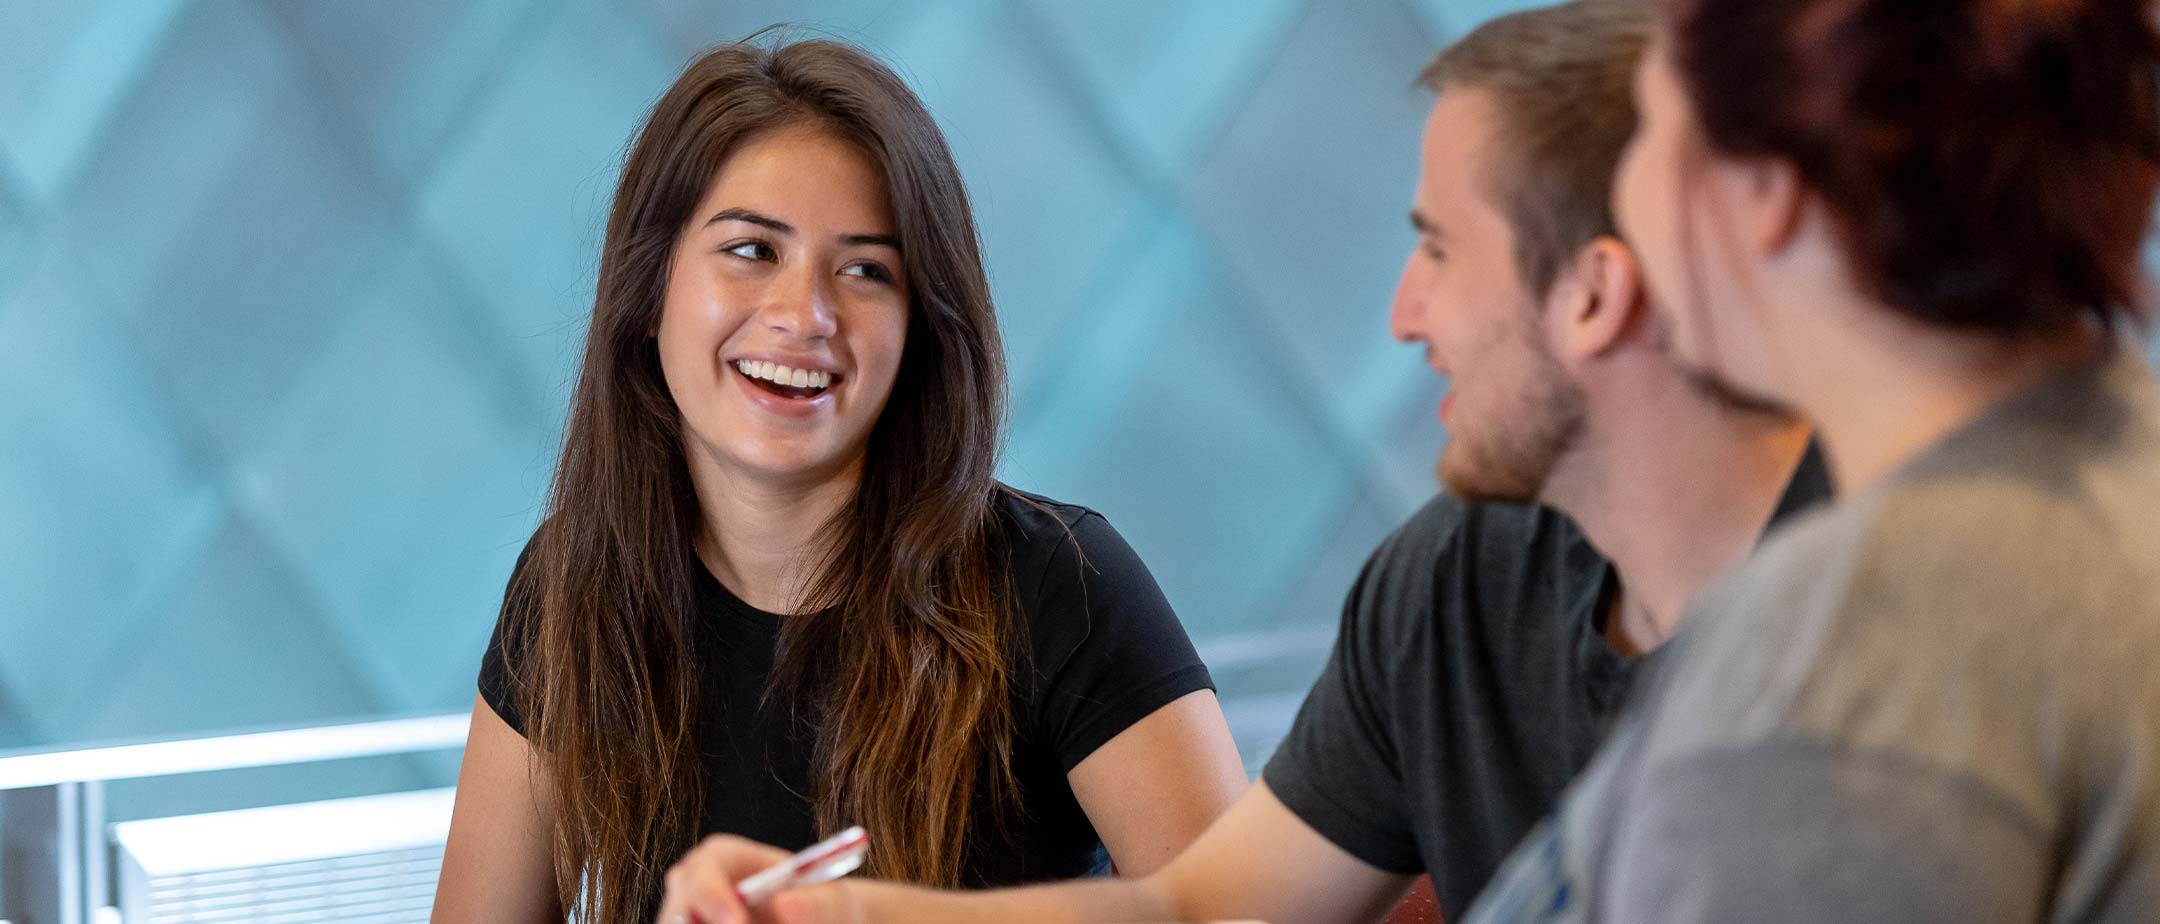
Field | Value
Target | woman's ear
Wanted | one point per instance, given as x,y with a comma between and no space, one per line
1596,303
1775,201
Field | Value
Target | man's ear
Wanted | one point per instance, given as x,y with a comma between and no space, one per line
1596,302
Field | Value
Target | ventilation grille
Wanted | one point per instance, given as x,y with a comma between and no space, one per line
372,860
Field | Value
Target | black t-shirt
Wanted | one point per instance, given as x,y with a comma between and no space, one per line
1103,651
1471,681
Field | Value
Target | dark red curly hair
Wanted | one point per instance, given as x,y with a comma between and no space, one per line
1992,163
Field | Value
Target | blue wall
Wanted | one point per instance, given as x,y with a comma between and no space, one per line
289,293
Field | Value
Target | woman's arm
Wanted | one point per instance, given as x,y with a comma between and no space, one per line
496,866
1154,787
1258,862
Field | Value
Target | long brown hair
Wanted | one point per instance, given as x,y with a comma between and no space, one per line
910,687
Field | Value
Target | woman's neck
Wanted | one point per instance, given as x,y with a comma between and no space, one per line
1890,398
762,537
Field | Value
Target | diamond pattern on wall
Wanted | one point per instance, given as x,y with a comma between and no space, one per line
690,26
1449,19
63,67
101,488
518,202
1166,75
1177,381
14,729
1048,232
405,465
291,293
1307,197
398,76
14,236
227,261
238,636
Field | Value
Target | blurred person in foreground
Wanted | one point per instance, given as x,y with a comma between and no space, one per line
1918,223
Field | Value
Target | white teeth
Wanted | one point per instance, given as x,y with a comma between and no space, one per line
783,375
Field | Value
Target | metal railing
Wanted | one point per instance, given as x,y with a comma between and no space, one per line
57,849
56,853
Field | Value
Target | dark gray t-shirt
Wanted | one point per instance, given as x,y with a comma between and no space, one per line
1470,682
1936,701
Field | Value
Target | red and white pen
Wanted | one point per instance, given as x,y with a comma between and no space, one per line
824,861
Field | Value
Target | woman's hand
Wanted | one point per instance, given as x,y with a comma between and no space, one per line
701,889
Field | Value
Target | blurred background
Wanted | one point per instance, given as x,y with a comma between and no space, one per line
290,294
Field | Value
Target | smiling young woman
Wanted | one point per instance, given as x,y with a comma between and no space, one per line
778,589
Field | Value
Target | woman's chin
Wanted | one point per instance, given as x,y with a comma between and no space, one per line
789,463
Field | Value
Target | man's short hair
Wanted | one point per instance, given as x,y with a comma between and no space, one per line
1561,78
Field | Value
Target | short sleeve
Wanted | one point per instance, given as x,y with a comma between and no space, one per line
1338,768
1108,647
505,644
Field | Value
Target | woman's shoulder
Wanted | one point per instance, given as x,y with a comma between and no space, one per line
1058,549
1097,625
521,588
1041,534
1032,516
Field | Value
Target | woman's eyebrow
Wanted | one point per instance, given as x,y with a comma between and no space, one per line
873,240
767,221
756,218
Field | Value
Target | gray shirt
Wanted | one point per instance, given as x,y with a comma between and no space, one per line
1936,701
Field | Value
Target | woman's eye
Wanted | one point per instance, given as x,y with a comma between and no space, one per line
750,250
867,271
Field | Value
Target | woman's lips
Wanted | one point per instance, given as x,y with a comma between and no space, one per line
784,401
